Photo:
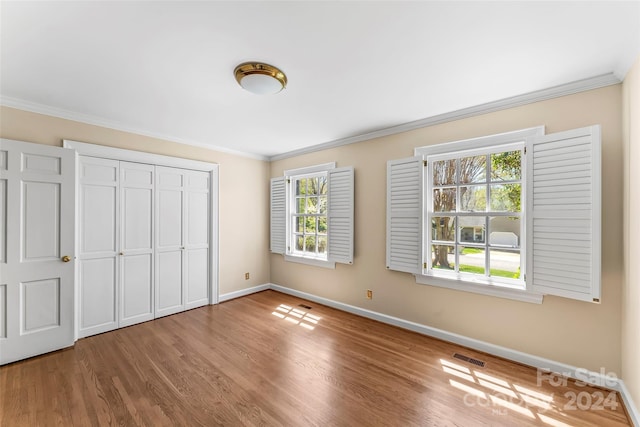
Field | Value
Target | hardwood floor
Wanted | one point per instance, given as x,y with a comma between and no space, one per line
265,360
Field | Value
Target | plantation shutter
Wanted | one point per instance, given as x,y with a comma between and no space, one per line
404,214
278,215
340,215
563,199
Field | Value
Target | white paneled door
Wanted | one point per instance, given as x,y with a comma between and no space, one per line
37,219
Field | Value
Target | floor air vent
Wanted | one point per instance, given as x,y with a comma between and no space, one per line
304,306
469,359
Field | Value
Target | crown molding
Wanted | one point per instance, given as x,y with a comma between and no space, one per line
97,121
490,107
515,101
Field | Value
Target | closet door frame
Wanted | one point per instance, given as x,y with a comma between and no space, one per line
94,150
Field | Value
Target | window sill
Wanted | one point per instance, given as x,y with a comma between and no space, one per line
491,290
316,262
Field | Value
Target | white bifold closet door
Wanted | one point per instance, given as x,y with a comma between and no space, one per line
182,240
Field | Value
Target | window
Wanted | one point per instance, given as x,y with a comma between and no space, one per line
312,215
474,209
309,215
515,215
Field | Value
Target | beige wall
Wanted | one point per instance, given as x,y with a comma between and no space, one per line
244,198
631,289
577,333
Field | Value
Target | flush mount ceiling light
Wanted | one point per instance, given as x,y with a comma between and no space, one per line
260,78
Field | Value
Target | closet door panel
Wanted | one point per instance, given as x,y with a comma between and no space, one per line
169,219
99,218
169,283
137,304
197,278
98,295
198,218
137,214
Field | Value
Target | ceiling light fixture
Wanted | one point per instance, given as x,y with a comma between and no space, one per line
259,78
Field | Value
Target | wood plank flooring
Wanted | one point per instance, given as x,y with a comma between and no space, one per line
265,360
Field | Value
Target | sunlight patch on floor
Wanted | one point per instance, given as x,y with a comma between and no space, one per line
296,316
498,394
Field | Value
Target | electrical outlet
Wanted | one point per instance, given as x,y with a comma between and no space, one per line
246,276
369,294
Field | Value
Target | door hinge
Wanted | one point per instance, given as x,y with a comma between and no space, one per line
424,265
525,150
288,180
425,163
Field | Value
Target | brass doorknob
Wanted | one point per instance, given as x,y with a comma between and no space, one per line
66,258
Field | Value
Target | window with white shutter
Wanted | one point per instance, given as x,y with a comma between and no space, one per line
515,215
312,215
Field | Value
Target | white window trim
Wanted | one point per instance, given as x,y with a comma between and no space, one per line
478,288
305,259
477,285
481,142
289,255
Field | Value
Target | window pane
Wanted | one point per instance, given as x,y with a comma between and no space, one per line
323,185
299,224
506,166
444,172
505,197
310,224
312,205
504,231
444,200
322,224
301,203
443,229
473,169
310,244
471,260
312,184
322,204
471,229
504,263
322,244
299,243
473,198
442,257
301,186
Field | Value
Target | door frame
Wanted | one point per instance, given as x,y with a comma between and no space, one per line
94,150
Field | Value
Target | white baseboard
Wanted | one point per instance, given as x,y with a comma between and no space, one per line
243,292
580,374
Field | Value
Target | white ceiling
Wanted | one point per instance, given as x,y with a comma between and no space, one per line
166,68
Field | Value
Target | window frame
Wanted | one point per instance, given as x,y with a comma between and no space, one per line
518,290
290,253
293,234
457,213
